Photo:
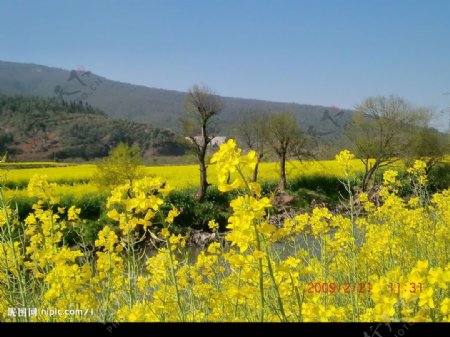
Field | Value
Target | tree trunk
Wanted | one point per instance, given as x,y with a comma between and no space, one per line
368,176
429,166
203,178
282,182
255,172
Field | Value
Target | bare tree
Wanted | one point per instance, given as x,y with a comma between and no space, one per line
285,138
380,131
201,105
252,133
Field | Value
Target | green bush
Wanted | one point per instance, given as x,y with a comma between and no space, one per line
197,214
92,215
22,184
24,205
91,204
330,186
87,228
439,177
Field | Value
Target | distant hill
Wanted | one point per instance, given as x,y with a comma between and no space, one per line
158,107
36,129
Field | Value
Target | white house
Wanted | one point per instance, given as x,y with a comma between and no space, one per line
216,141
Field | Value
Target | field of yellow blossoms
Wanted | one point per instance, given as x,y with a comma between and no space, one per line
383,260
179,176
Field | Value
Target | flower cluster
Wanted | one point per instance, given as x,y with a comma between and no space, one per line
235,169
261,271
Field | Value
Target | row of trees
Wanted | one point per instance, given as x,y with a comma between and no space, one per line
278,132
381,131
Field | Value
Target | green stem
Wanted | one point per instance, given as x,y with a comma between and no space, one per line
261,279
15,258
275,286
237,299
174,279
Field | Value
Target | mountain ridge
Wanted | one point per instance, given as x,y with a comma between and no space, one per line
157,106
166,89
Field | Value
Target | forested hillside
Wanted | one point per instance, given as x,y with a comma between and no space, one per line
34,128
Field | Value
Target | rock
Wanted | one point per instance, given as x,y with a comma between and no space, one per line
201,238
282,200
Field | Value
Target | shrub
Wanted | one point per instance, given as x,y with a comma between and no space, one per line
196,214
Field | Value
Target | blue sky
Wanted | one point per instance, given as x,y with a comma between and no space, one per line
314,52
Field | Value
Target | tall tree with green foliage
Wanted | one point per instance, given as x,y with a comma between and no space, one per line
123,165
